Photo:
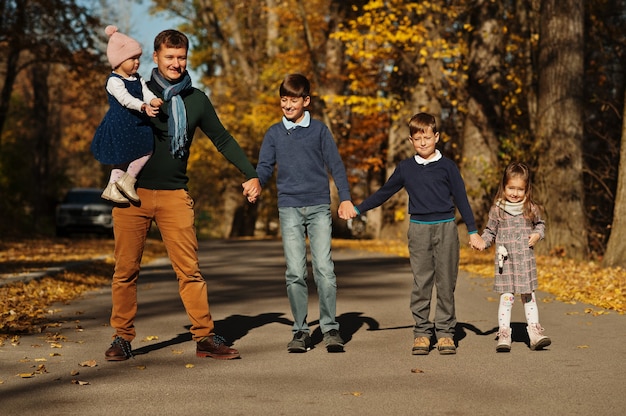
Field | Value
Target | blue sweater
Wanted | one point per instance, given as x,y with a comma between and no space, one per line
304,156
433,189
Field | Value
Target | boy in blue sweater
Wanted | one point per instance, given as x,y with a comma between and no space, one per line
434,185
304,151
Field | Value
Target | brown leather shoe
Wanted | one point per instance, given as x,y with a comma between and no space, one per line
119,350
214,346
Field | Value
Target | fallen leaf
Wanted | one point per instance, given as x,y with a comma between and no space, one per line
151,338
353,393
74,373
80,382
26,375
89,363
583,346
416,370
189,366
140,367
40,359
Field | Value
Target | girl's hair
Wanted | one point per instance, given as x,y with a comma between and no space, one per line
295,85
420,123
171,38
519,170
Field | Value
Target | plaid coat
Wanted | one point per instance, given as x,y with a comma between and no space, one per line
518,273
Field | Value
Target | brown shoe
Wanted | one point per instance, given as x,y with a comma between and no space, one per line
421,346
215,346
446,346
119,350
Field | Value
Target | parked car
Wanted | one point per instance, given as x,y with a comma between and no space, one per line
84,211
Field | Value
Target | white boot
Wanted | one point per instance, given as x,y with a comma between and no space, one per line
504,340
111,193
126,184
537,340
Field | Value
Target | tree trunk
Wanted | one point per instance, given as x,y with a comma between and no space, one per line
483,120
559,177
615,254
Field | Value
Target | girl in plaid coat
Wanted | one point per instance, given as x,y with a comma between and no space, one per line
515,226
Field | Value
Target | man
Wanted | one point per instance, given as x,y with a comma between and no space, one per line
162,189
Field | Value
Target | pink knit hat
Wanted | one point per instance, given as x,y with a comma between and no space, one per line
120,47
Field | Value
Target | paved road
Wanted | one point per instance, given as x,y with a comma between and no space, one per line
582,372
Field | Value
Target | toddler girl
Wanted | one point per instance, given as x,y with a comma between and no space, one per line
516,226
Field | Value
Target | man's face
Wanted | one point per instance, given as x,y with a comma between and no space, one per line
171,62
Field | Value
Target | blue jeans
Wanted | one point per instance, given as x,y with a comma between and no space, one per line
296,223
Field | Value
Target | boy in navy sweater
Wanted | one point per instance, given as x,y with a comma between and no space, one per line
434,185
304,151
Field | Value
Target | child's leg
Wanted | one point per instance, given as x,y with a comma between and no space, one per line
535,331
421,254
136,165
446,248
504,310
530,308
504,322
116,174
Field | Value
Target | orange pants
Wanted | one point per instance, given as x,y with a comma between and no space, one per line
173,213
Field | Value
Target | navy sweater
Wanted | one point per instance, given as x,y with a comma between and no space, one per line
433,190
304,156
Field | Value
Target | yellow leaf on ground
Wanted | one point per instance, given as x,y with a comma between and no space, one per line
89,363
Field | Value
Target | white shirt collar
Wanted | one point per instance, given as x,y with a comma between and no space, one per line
423,161
305,122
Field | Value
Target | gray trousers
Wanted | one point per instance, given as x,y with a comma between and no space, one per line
434,254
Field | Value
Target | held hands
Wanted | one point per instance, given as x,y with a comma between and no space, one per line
251,189
346,210
476,242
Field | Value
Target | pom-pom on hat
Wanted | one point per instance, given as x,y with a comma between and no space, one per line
120,47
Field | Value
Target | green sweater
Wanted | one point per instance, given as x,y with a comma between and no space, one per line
164,171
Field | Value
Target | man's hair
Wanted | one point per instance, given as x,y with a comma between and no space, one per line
420,123
295,85
171,38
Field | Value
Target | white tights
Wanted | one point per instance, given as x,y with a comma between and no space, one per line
506,304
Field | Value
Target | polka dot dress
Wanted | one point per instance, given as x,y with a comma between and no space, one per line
123,135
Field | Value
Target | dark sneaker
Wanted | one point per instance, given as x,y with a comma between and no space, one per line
301,342
446,346
215,346
333,341
119,350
